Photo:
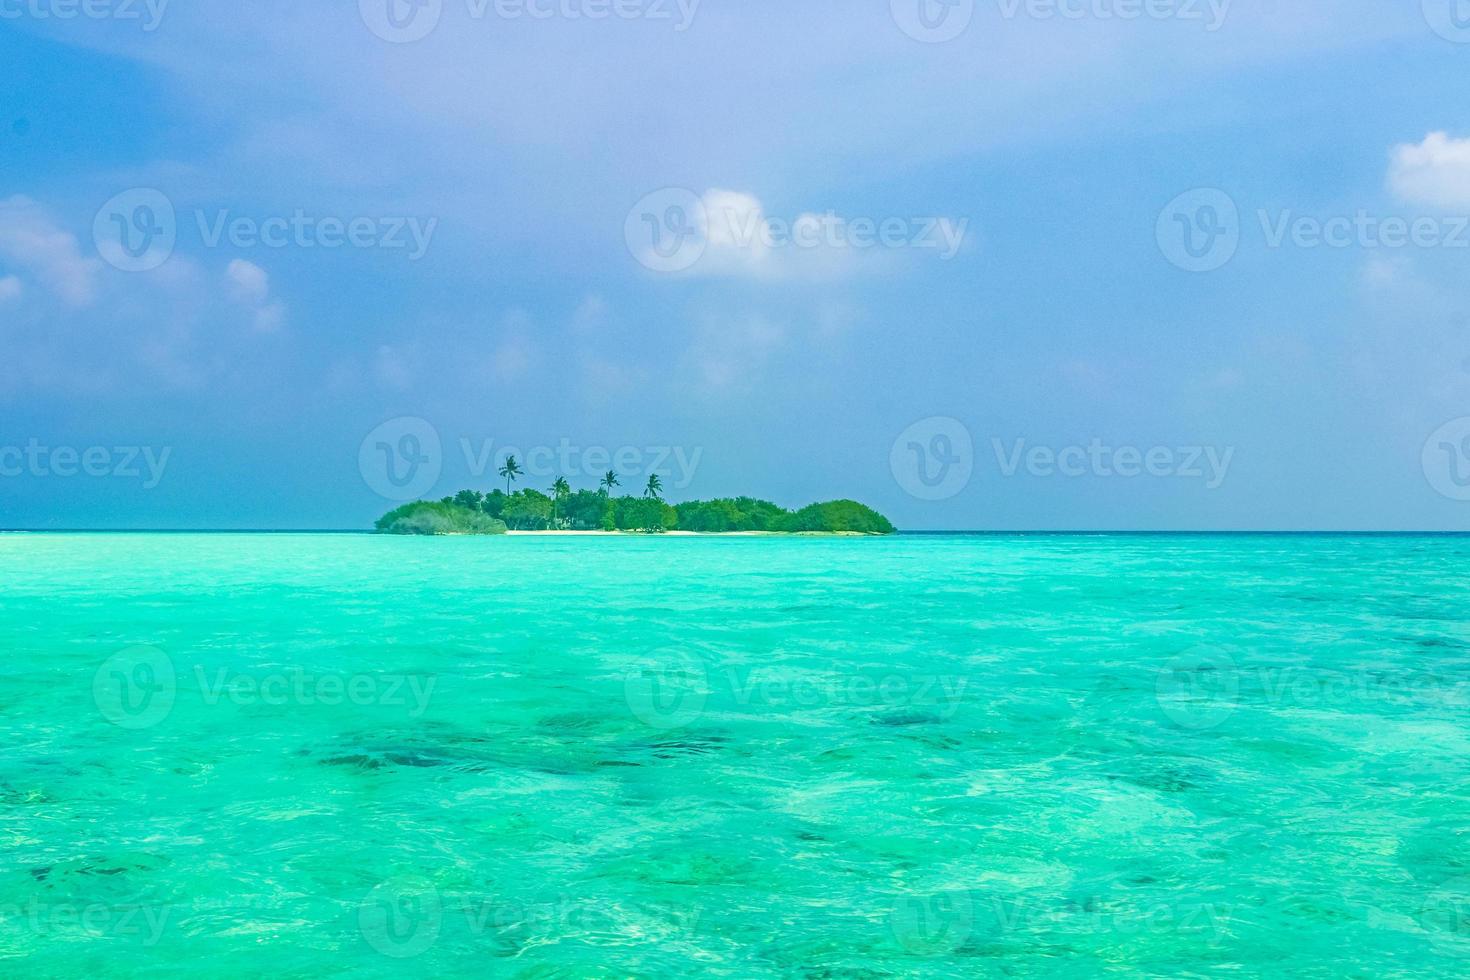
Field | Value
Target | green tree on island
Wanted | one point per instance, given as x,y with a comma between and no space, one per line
560,490
510,470
471,512
527,510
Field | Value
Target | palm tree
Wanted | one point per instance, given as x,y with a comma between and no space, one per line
609,480
559,490
510,471
654,488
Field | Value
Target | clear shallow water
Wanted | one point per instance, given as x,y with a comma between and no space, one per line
937,756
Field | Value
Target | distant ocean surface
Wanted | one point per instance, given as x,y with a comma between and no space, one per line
346,755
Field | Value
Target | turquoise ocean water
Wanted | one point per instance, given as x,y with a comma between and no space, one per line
339,755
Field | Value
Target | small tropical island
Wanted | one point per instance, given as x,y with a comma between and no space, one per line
563,510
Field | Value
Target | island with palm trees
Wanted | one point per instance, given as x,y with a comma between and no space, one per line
562,510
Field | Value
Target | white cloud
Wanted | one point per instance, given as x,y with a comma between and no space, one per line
31,240
857,96
1381,272
734,225
249,282
590,314
84,327
512,359
1435,172
739,240
395,367
605,380
728,352
514,354
249,285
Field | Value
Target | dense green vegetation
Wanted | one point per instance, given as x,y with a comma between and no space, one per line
838,515
749,514
475,512
438,517
740,514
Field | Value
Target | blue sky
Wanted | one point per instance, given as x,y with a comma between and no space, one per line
1030,345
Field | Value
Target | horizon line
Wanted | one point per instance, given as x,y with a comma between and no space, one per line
996,532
